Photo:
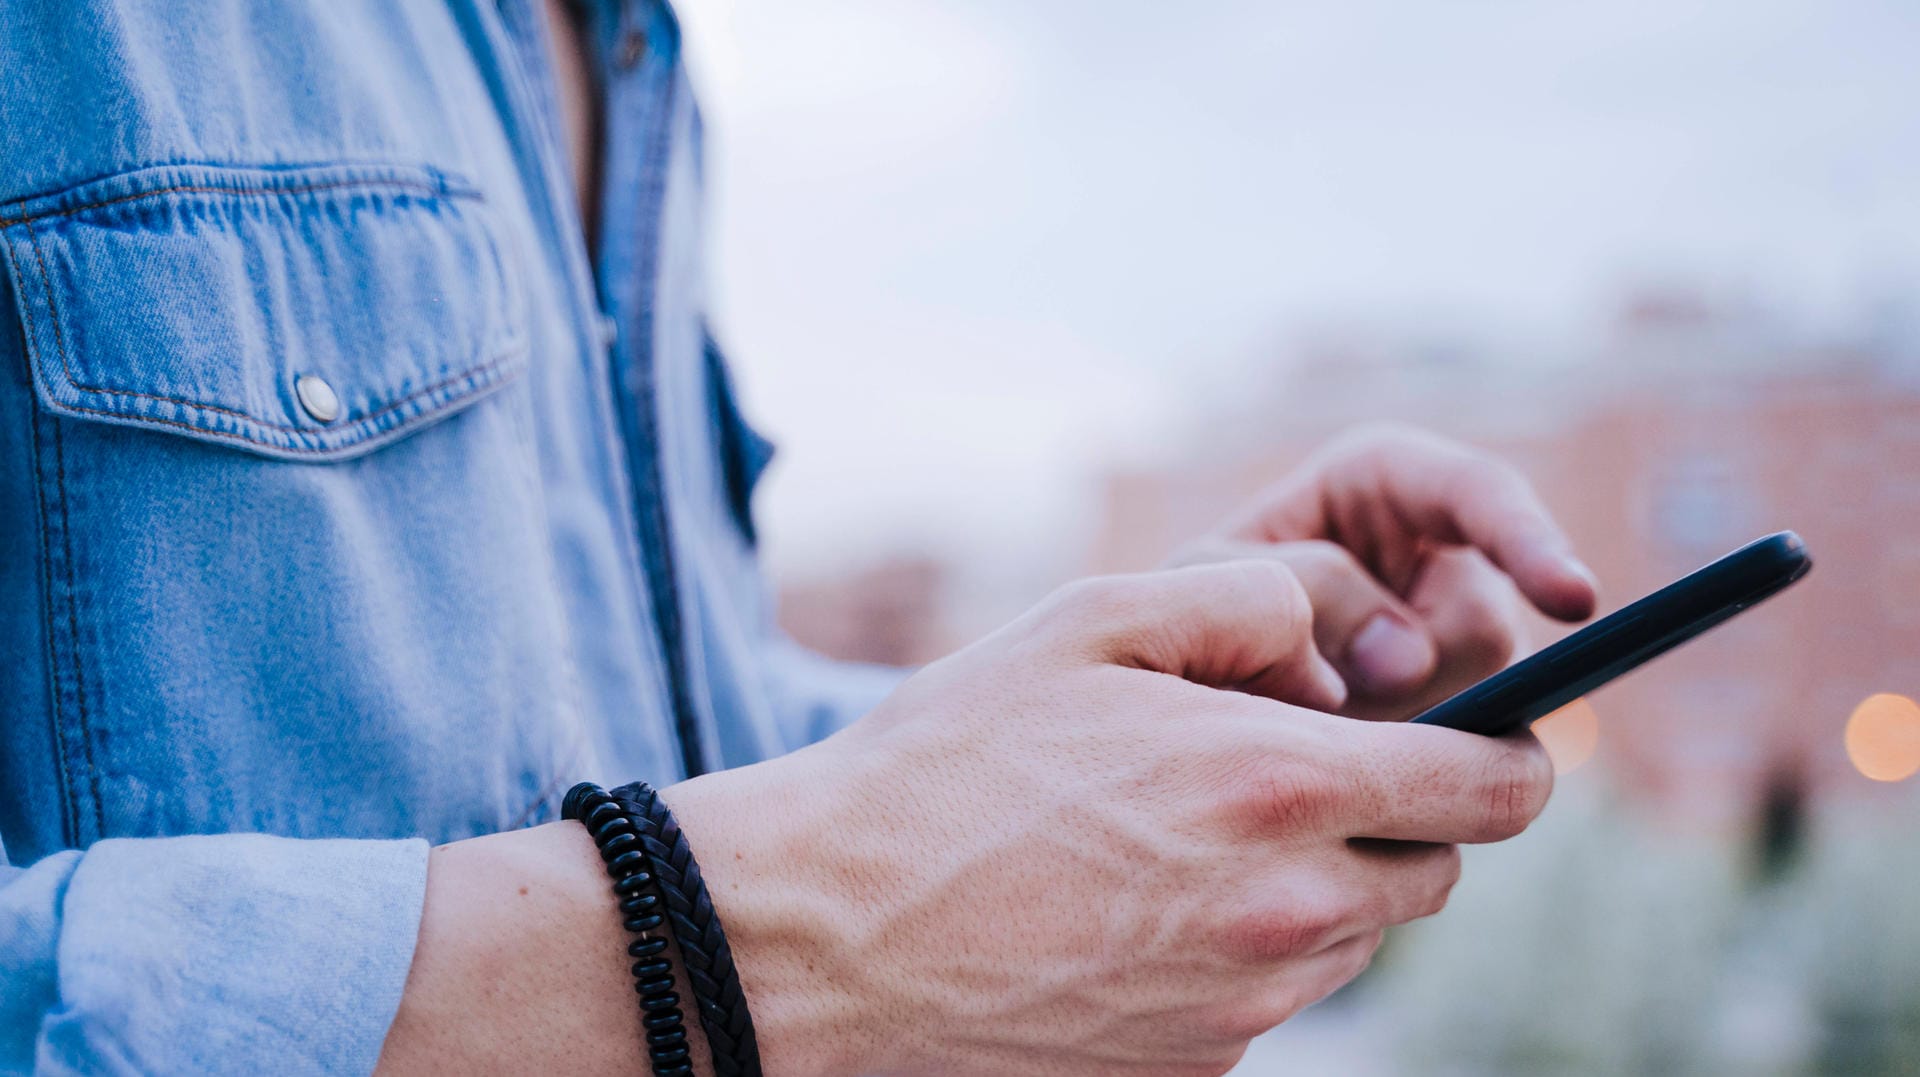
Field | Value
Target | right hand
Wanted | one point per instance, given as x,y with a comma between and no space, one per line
1066,850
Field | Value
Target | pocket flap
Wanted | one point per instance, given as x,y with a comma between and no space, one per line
298,313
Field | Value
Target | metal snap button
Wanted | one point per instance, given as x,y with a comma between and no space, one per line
317,397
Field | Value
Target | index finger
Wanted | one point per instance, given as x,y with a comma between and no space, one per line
1454,494
1425,783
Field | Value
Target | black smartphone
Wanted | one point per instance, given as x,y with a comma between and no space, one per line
1557,675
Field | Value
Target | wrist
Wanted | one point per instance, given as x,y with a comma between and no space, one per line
520,962
758,834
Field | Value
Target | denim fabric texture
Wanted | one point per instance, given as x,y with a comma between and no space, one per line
258,653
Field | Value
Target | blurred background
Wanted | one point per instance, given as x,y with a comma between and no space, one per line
1027,289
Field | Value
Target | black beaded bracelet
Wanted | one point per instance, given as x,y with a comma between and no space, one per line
617,834
711,975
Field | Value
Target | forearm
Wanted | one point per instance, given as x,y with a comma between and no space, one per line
767,839
521,962
1057,852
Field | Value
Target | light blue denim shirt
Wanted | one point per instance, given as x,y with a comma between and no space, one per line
346,504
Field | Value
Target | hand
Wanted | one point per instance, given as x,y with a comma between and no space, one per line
1411,548
1066,850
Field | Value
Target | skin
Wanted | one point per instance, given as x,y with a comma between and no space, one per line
1418,554
579,112
1094,843
1124,835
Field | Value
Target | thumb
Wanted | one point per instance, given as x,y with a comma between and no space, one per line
1244,625
1380,645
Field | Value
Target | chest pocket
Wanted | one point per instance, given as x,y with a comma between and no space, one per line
260,564
299,313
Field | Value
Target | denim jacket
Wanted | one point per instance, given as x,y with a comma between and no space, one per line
346,504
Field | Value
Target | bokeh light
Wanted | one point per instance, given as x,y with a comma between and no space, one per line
1883,737
1570,735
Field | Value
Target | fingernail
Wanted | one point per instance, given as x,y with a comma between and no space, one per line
1390,655
1580,569
1584,608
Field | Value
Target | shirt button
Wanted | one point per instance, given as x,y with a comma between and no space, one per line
317,397
633,49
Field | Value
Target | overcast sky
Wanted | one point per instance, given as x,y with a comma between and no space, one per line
970,250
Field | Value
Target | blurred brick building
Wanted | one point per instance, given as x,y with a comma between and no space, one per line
892,612
1690,432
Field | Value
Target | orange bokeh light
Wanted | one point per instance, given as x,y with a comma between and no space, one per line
1570,735
1883,737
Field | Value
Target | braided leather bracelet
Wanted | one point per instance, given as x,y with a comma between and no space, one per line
718,998
617,835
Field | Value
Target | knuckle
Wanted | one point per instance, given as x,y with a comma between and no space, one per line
1276,583
1289,798
1286,1000
1539,767
1280,934
1214,1068
1476,471
1278,589
1227,1061
1319,558
1516,791
1363,954
1097,603
1242,1021
1504,819
1293,993
1352,959
1082,597
1211,1063
1446,877
1208,550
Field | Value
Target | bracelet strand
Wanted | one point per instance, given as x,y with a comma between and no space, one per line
715,983
617,833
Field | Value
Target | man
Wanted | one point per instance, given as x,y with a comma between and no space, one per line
356,493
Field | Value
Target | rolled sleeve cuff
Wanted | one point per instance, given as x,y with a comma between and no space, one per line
233,953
